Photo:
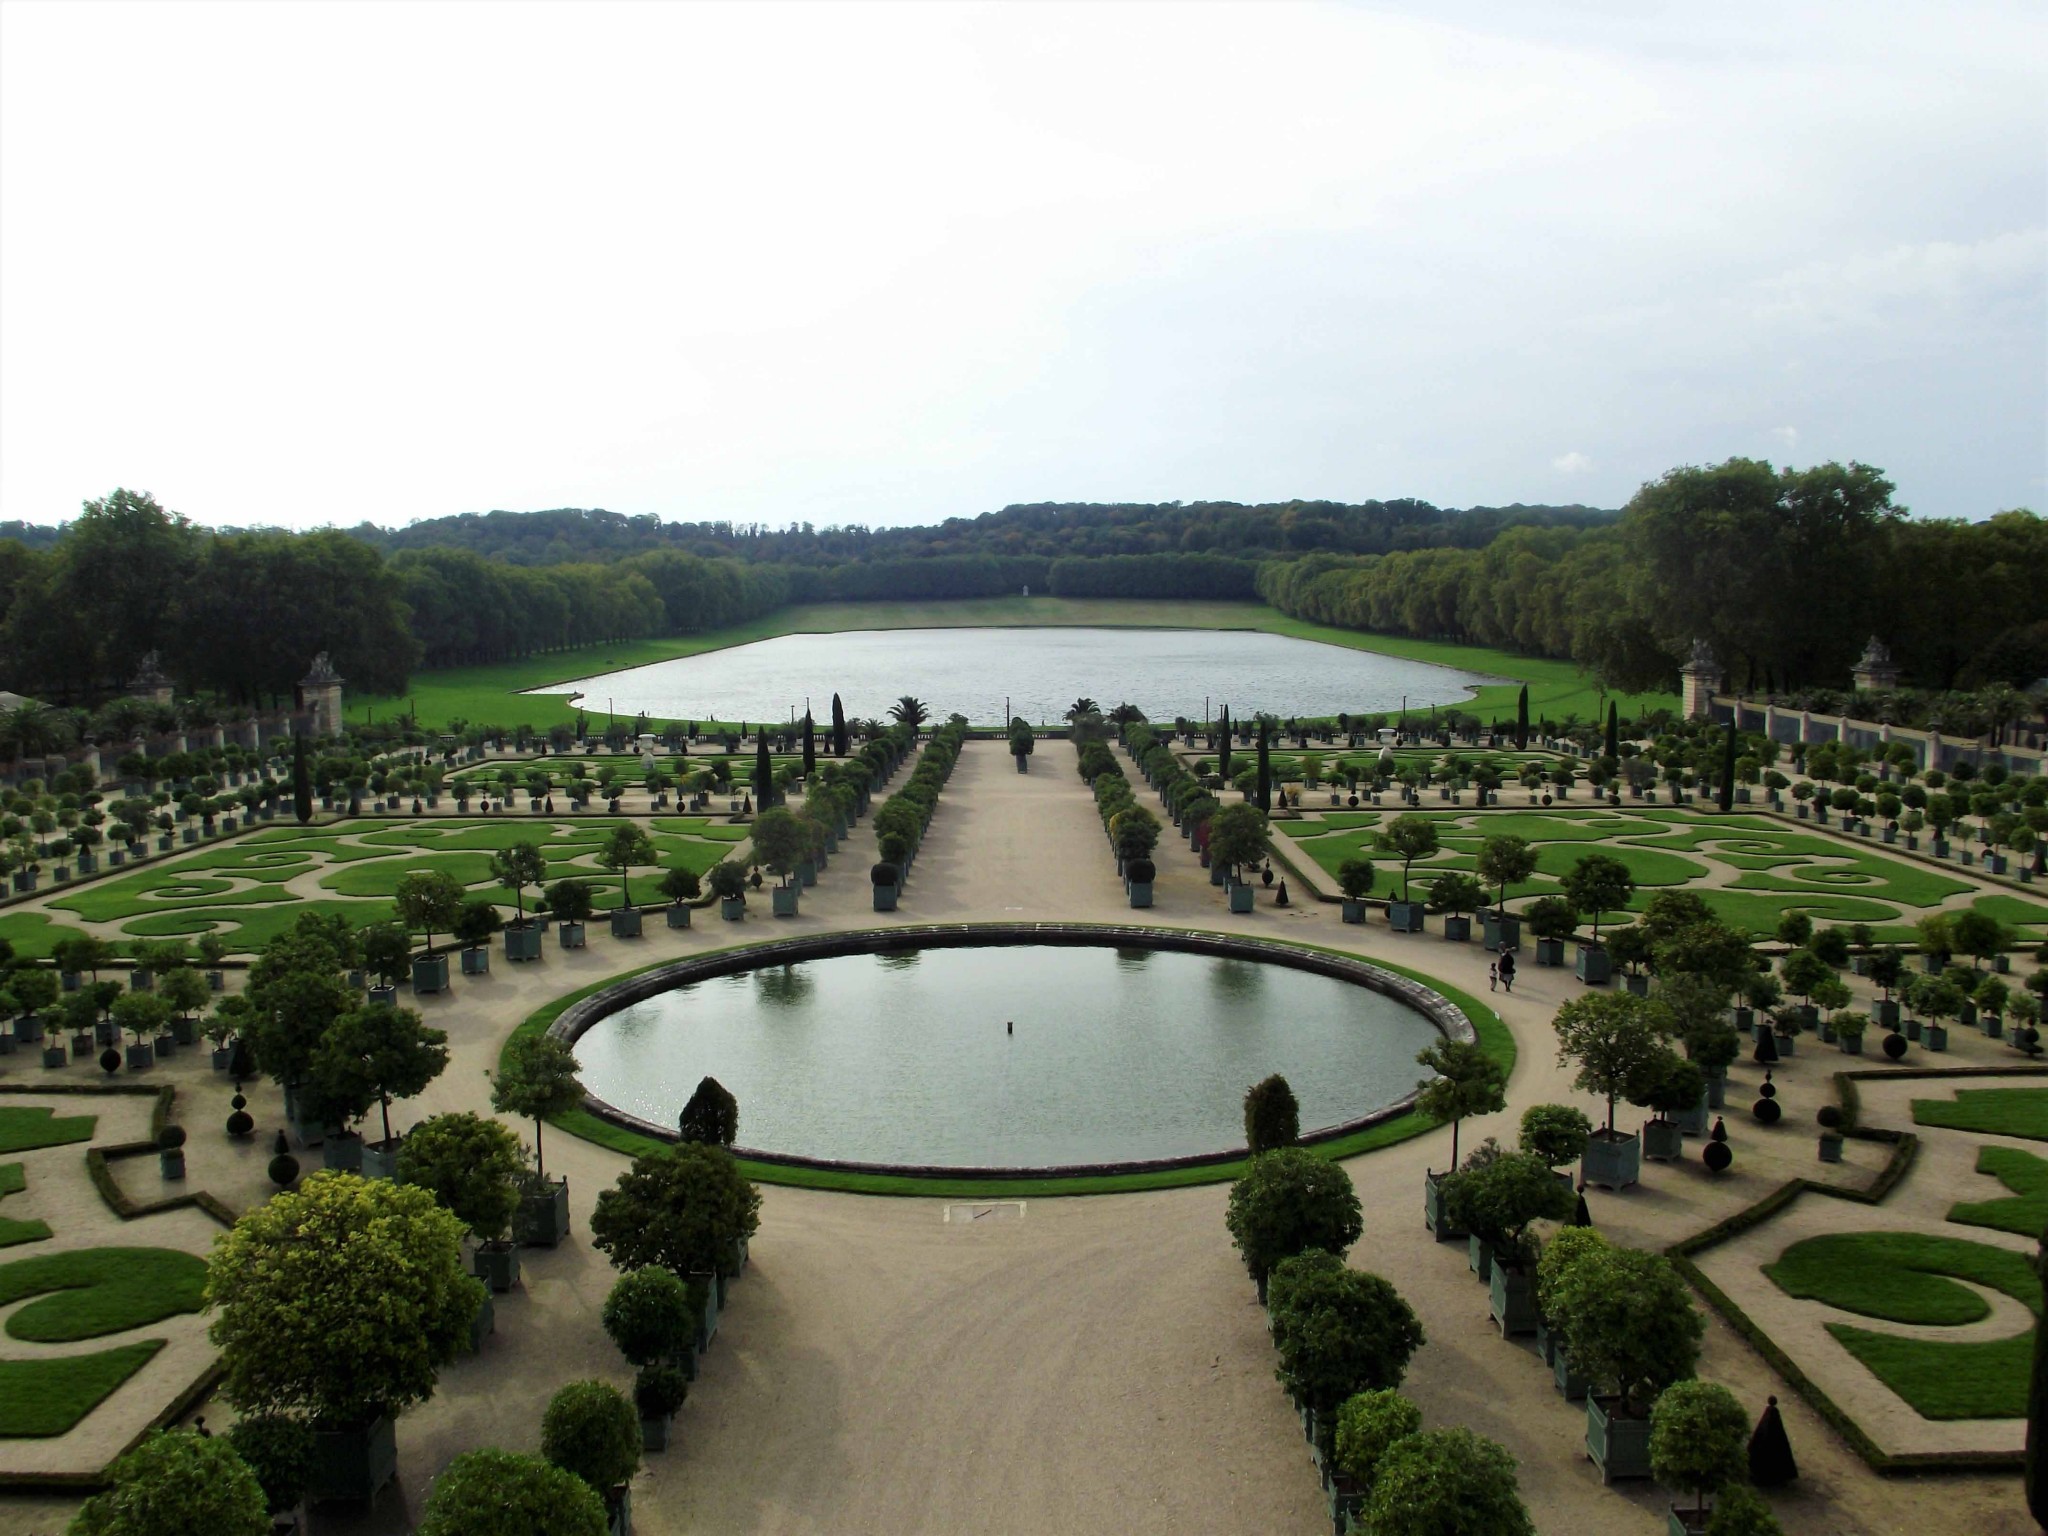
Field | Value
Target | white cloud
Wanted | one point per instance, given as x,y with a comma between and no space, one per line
1789,436
1573,463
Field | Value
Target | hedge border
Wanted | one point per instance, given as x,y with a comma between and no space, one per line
1905,1147
96,1159
1387,1129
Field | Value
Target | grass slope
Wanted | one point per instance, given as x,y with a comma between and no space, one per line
1493,1035
484,695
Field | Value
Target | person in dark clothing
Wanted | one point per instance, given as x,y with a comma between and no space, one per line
1507,970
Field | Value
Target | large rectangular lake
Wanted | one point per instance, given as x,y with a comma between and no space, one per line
1040,671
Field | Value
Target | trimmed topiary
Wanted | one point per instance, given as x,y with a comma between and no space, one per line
712,1116
498,1493
1699,1439
590,1429
648,1315
659,1390
173,1484
1447,1482
1368,1426
1272,1117
1289,1200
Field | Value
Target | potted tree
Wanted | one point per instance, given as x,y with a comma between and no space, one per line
1556,1134
515,868
571,901
1675,1086
681,886
1617,1041
1699,1442
1456,896
648,1317
1237,837
1597,884
1446,1480
626,847
1504,860
428,900
1467,1081
537,1081
1354,878
470,1165
490,1492
141,1014
475,921
1138,876
728,880
883,877
174,1482
1632,948
341,1300
1495,1203
1553,920
368,1057
1368,1425
1338,1332
278,1448
1630,1325
1407,838
1561,1250
1288,1201
591,1430
781,844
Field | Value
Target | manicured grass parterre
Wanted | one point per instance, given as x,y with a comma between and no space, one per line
25,1127
1493,1036
44,1397
251,889
92,1292
13,1180
496,694
2025,1211
1989,1112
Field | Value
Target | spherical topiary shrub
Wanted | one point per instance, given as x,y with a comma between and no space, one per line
1739,1510
1557,1133
1289,1200
648,1315
1829,1116
1368,1426
174,1484
1767,1111
660,1390
110,1060
240,1123
1895,1046
883,874
1717,1156
590,1429
1447,1482
284,1170
1272,1117
492,1493
1141,871
170,1138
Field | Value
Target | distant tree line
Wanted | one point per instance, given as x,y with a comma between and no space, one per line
1785,573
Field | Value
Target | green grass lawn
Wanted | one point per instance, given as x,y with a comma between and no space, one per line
13,1180
2025,1211
26,1127
33,934
92,1292
40,1398
1989,1111
1493,1035
488,695
1905,1277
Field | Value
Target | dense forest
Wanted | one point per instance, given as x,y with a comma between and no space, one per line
1785,573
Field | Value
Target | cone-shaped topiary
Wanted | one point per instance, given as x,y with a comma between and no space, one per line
1272,1117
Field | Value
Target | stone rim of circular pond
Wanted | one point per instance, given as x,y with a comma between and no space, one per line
1448,1018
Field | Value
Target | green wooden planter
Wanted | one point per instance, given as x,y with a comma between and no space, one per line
626,923
1618,1446
523,943
542,1220
1433,1216
352,1464
785,900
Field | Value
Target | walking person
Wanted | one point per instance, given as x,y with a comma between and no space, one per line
1493,977
1507,971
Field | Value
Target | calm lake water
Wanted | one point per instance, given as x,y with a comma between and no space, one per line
1165,672
1118,1054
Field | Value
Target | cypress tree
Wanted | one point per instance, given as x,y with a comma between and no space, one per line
764,772
810,748
712,1116
2037,1406
1265,795
1613,730
1272,1117
838,728
1522,720
302,782
1728,770
1223,752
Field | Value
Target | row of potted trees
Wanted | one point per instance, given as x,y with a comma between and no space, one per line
901,823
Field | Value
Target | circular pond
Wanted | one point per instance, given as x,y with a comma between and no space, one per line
1016,1055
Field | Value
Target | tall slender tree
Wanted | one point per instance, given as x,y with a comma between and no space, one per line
1728,769
1223,752
764,772
1265,795
302,782
810,748
1522,719
838,727
1613,730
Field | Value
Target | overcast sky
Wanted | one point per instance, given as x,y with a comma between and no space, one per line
305,263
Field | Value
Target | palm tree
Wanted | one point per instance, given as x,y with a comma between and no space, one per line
909,711
1083,706
1126,714
31,730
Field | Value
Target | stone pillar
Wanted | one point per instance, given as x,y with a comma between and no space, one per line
1933,750
1699,680
1875,672
1771,721
1842,731
1806,726
320,696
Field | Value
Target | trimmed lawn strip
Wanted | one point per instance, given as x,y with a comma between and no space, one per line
13,1180
2025,1211
1981,1380
1989,1112
41,1398
1904,1277
1493,1035
34,935
27,1127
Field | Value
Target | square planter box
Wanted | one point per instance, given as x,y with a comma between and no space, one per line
54,1056
1478,1258
1593,968
476,962
1241,897
1141,893
885,897
1354,911
654,1432
1501,932
522,943
1458,929
1612,1163
1693,1122
1433,1209
1638,986
569,935
1512,1295
1831,1146
1550,951
430,974
1405,916
1885,1014
140,1057
678,915
1571,1386
542,1221
28,1029
733,908
380,1158
352,1464
1663,1140
626,923
1619,1447
497,1265
343,1152
784,898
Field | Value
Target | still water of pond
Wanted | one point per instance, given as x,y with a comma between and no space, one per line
1117,1054
1039,671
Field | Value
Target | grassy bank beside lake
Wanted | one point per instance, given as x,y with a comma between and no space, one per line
486,694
